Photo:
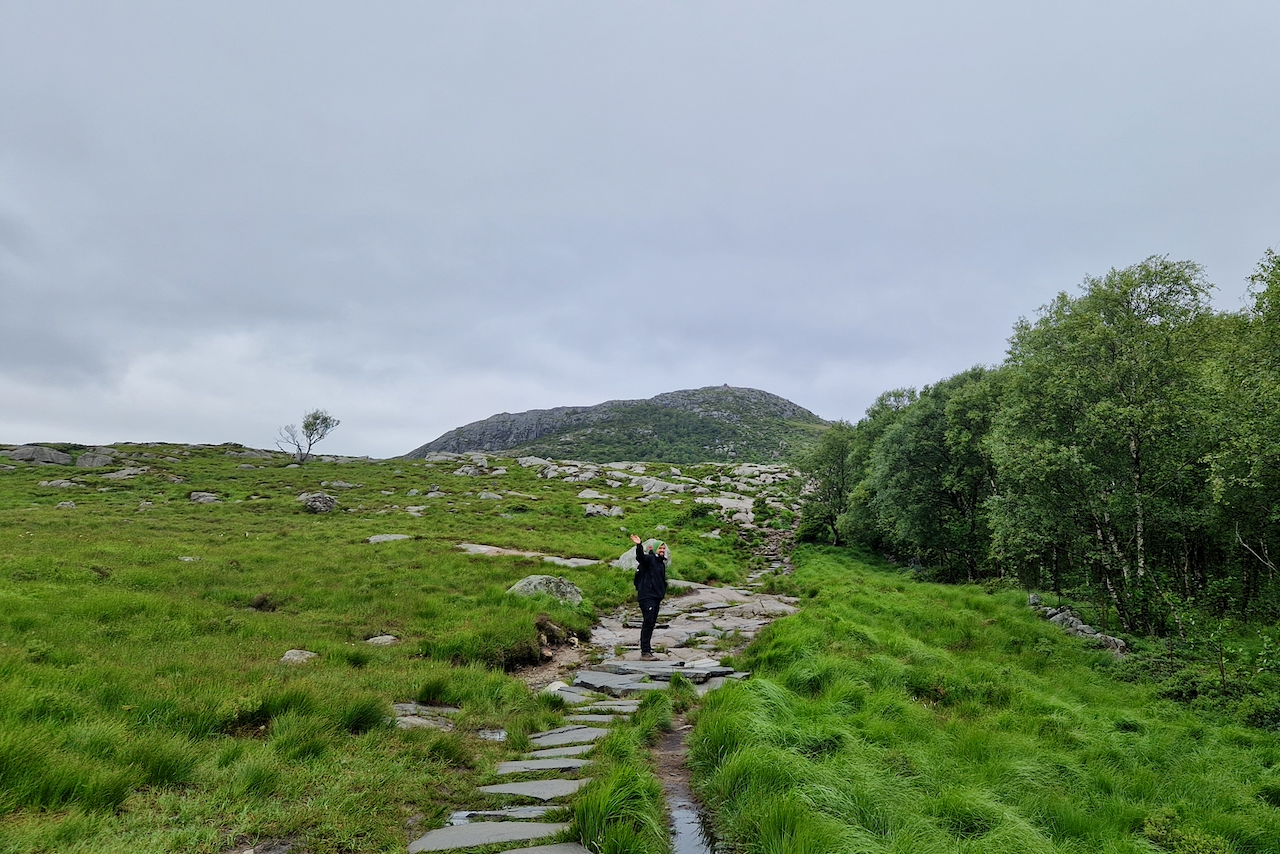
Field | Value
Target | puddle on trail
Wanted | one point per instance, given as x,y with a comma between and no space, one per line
689,834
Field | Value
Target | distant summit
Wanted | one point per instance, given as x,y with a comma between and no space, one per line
716,423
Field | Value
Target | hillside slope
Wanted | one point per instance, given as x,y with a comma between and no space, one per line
716,423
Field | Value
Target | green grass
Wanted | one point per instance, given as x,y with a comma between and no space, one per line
897,716
143,706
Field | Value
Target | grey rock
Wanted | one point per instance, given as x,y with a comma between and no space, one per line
592,719
483,833
59,484
387,538
66,505
93,461
467,471
627,560
40,455
317,502
567,735
204,498
383,640
571,750
543,790
125,473
489,496
1033,599
613,684
571,562
340,484
521,766
555,848
559,588
422,722
601,510
298,656
525,813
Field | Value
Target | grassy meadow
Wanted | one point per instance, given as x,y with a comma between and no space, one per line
143,706
896,716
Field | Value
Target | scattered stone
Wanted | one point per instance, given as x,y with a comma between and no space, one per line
383,640
125,473
1033,599
188,559
387,538
39,455
559,588
714,535
483,833
592,493
571,562
601,510
317,502
492,734
490,496
543,790
555,848
204,498
59,484
298,656
66,505
340,484
93,461
468,471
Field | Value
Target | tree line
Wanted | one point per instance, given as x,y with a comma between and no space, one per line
1128,449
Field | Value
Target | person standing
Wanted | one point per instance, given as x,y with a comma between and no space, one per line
651,586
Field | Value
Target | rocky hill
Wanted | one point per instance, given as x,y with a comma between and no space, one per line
716,423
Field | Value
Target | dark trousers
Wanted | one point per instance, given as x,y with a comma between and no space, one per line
648,619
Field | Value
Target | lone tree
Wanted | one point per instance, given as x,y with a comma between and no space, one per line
316,424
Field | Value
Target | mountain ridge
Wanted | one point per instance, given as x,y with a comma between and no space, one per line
713,423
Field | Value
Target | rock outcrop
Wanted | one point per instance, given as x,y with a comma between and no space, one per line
559,588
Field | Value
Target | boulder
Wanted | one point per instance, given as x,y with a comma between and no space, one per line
93,461
317,502
558,588
298,656
204,498
40,455
125,473
601,510
627,560
1033,599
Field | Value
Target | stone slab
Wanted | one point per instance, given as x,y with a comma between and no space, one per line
483,833
526,813
576,734
571,750
543,790
558,848
612,684
520,766
595,719
625,707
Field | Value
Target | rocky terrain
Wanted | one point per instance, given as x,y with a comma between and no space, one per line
716,423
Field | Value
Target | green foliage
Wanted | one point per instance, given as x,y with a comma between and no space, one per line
893,715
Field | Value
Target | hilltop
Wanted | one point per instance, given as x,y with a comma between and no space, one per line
715,423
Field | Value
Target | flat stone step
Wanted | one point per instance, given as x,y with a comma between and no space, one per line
525,813
483,833
521,766
572,750
575,734
595,719
625,707
557,848
543,790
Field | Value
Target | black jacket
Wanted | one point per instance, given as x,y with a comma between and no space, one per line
651,575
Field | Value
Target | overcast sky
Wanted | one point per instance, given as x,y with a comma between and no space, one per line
215,216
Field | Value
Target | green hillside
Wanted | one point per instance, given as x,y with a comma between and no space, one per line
717,423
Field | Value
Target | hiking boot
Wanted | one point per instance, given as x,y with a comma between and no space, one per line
648,656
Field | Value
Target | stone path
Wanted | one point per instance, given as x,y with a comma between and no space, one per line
696,621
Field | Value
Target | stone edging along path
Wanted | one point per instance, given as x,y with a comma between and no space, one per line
691,626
